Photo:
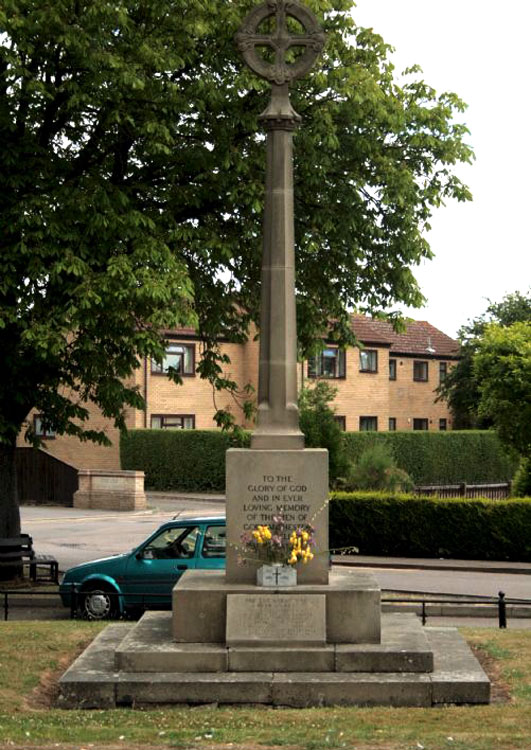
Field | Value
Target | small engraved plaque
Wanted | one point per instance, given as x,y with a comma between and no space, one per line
276,575
276,619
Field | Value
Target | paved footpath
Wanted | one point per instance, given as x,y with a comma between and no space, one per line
74,536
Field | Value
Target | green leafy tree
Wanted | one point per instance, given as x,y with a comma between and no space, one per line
320,428
461,387
502,368
132,185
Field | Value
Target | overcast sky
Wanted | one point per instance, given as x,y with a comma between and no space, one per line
479,49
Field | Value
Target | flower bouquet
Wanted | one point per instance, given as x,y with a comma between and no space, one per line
279,551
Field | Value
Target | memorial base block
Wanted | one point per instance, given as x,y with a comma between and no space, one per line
352,605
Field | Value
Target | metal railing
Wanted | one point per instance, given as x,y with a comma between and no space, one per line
8,596
500,602
499,491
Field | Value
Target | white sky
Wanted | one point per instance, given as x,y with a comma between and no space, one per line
480,50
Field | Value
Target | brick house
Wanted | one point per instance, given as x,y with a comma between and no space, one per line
389,384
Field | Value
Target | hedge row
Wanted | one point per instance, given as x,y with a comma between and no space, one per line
471,456
409,526
186,460
194,460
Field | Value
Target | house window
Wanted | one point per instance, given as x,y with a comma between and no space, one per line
342,421
442,424
173,422
42,429
420,371
392,369
181,357
368,424
368,360
420,424
392,424
329,364
443,371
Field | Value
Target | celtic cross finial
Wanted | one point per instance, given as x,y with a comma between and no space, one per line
280,71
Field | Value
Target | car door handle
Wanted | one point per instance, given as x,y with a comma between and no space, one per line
182,567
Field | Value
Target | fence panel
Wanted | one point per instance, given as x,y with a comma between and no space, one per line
491,491
44,479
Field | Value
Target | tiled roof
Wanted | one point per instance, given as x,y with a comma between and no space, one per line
420,337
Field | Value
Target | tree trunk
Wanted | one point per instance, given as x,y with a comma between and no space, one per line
9,510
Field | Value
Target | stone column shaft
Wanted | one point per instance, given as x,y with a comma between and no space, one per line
278,414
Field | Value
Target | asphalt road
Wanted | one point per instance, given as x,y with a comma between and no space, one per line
76,536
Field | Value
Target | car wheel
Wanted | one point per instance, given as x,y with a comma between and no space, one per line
98,603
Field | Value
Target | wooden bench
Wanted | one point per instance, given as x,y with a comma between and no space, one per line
15,549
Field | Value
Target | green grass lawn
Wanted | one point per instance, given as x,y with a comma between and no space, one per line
34,654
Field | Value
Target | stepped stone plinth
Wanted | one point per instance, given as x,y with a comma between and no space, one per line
141,664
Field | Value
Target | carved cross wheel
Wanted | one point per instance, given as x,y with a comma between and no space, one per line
280,71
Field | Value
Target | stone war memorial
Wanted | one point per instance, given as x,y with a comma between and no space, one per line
322,640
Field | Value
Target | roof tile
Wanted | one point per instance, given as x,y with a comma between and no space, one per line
420,337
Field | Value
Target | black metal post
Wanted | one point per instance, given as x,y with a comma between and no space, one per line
5,605
424,616
502,610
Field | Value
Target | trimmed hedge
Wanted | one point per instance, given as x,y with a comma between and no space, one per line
186,460
471,456
409,526
194,460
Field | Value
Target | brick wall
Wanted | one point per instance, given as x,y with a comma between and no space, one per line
359,394
410,399
86,455
195,397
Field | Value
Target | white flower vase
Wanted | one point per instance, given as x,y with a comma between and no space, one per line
276,574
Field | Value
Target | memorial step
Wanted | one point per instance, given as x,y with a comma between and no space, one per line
93,681
148,647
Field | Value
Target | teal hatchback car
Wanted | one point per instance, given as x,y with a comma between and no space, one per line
145,577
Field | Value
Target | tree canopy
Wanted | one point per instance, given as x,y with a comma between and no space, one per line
462,385
132,185
502,368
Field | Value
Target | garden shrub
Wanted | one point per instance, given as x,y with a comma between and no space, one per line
376,470
522,479
185,460
471,456
409,526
